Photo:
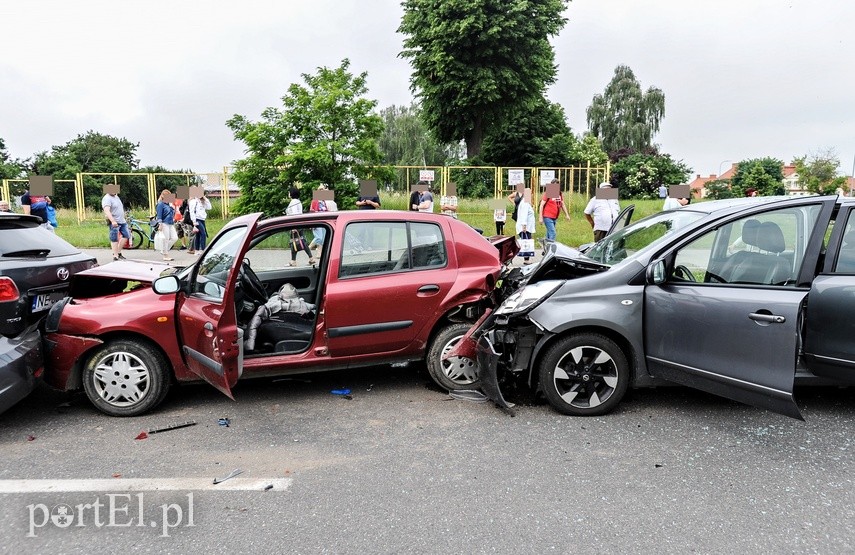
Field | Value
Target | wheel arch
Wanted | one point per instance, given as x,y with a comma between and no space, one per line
549,339
76,379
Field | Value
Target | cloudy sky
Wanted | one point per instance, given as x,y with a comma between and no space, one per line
741,79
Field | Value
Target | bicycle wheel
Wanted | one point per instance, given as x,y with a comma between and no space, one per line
137,239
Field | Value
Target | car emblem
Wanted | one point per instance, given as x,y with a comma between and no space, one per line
62,273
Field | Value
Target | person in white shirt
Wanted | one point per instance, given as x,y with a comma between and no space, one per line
601,213
198,214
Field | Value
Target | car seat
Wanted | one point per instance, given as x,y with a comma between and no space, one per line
766,267
846,258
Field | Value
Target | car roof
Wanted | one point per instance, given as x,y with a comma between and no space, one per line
719,207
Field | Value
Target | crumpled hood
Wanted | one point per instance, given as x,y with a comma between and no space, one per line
563,262
136,270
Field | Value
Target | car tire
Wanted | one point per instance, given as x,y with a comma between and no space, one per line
126,377
585,374
137,239
445,374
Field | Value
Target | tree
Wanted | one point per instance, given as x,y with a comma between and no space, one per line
718,189
764,175
406,141
818,172
523,137
475,61
92,152
325,132
640,175
10,168
623,116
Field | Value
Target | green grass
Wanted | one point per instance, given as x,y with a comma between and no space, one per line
92,232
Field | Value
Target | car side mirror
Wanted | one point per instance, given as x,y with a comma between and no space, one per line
656,272
166,284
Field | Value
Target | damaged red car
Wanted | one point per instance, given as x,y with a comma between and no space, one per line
382,287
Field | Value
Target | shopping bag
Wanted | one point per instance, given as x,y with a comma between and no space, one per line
297,242
526,247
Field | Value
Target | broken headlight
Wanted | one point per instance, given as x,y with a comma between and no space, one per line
529,297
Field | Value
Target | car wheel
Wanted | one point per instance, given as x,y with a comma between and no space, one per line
137,239
451,375
125,377
584,375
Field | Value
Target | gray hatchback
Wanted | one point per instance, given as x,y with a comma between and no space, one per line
741,298
35,267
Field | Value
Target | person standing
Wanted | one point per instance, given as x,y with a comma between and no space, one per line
198,208
549,210
36,206
426,198
663,192
415,197
298,241
525,221
448,205
114,210
318,233
601,213
166,234
500,215
368,202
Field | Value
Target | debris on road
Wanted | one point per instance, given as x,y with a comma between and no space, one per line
232,474
142,435
172,427
470,395
224,422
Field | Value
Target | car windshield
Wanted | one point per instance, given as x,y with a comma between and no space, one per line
640,236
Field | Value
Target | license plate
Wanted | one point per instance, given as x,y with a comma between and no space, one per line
46,300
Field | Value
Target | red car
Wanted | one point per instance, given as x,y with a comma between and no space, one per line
383,287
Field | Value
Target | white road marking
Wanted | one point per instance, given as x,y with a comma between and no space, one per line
144,484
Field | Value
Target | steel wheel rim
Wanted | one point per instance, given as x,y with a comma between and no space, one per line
585,377
121,379
460,370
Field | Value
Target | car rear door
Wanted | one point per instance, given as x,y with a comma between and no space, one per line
829,348
211,341
738,339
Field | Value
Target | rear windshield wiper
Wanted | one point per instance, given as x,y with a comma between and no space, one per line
29,253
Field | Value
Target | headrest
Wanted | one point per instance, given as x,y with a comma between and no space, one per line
849,237
749,232
770,238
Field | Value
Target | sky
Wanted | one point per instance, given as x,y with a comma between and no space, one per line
742,79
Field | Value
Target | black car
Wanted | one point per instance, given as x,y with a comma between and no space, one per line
35,267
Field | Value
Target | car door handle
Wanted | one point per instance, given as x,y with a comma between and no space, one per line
771,318
209,326
429,289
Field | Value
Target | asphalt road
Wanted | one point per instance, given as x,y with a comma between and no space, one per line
401,467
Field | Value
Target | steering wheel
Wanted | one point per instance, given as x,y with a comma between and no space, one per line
251,284
682,273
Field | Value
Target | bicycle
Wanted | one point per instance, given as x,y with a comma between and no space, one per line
138,234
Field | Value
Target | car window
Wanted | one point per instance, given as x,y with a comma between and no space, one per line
384,247
19,238
640,236
213,271
273,252
845,263
761,249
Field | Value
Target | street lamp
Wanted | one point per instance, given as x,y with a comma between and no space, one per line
720,165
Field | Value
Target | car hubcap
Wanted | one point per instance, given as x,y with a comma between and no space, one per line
585,377
121,379
460,370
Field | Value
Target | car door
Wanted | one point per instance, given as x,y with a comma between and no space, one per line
622,219
829,349
388,283
211,341
727,315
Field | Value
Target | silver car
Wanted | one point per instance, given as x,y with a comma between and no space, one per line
741,298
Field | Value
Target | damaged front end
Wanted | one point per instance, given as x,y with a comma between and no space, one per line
503,341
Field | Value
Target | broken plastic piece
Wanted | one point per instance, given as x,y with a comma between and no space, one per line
340,392
268,487
142,435
31,438
468,395
231,475
224,422
172,427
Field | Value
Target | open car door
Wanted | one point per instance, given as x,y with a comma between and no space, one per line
622,219
212,343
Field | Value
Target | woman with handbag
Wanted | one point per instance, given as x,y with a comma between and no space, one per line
298,242
525,227
166,235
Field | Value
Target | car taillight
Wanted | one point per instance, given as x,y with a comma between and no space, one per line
8,290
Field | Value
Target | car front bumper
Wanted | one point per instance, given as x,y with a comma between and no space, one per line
21,363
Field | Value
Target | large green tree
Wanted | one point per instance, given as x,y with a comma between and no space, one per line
475,61
764,175
406,141
325,132
818,172
640,175
10,168
624,117
92,152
